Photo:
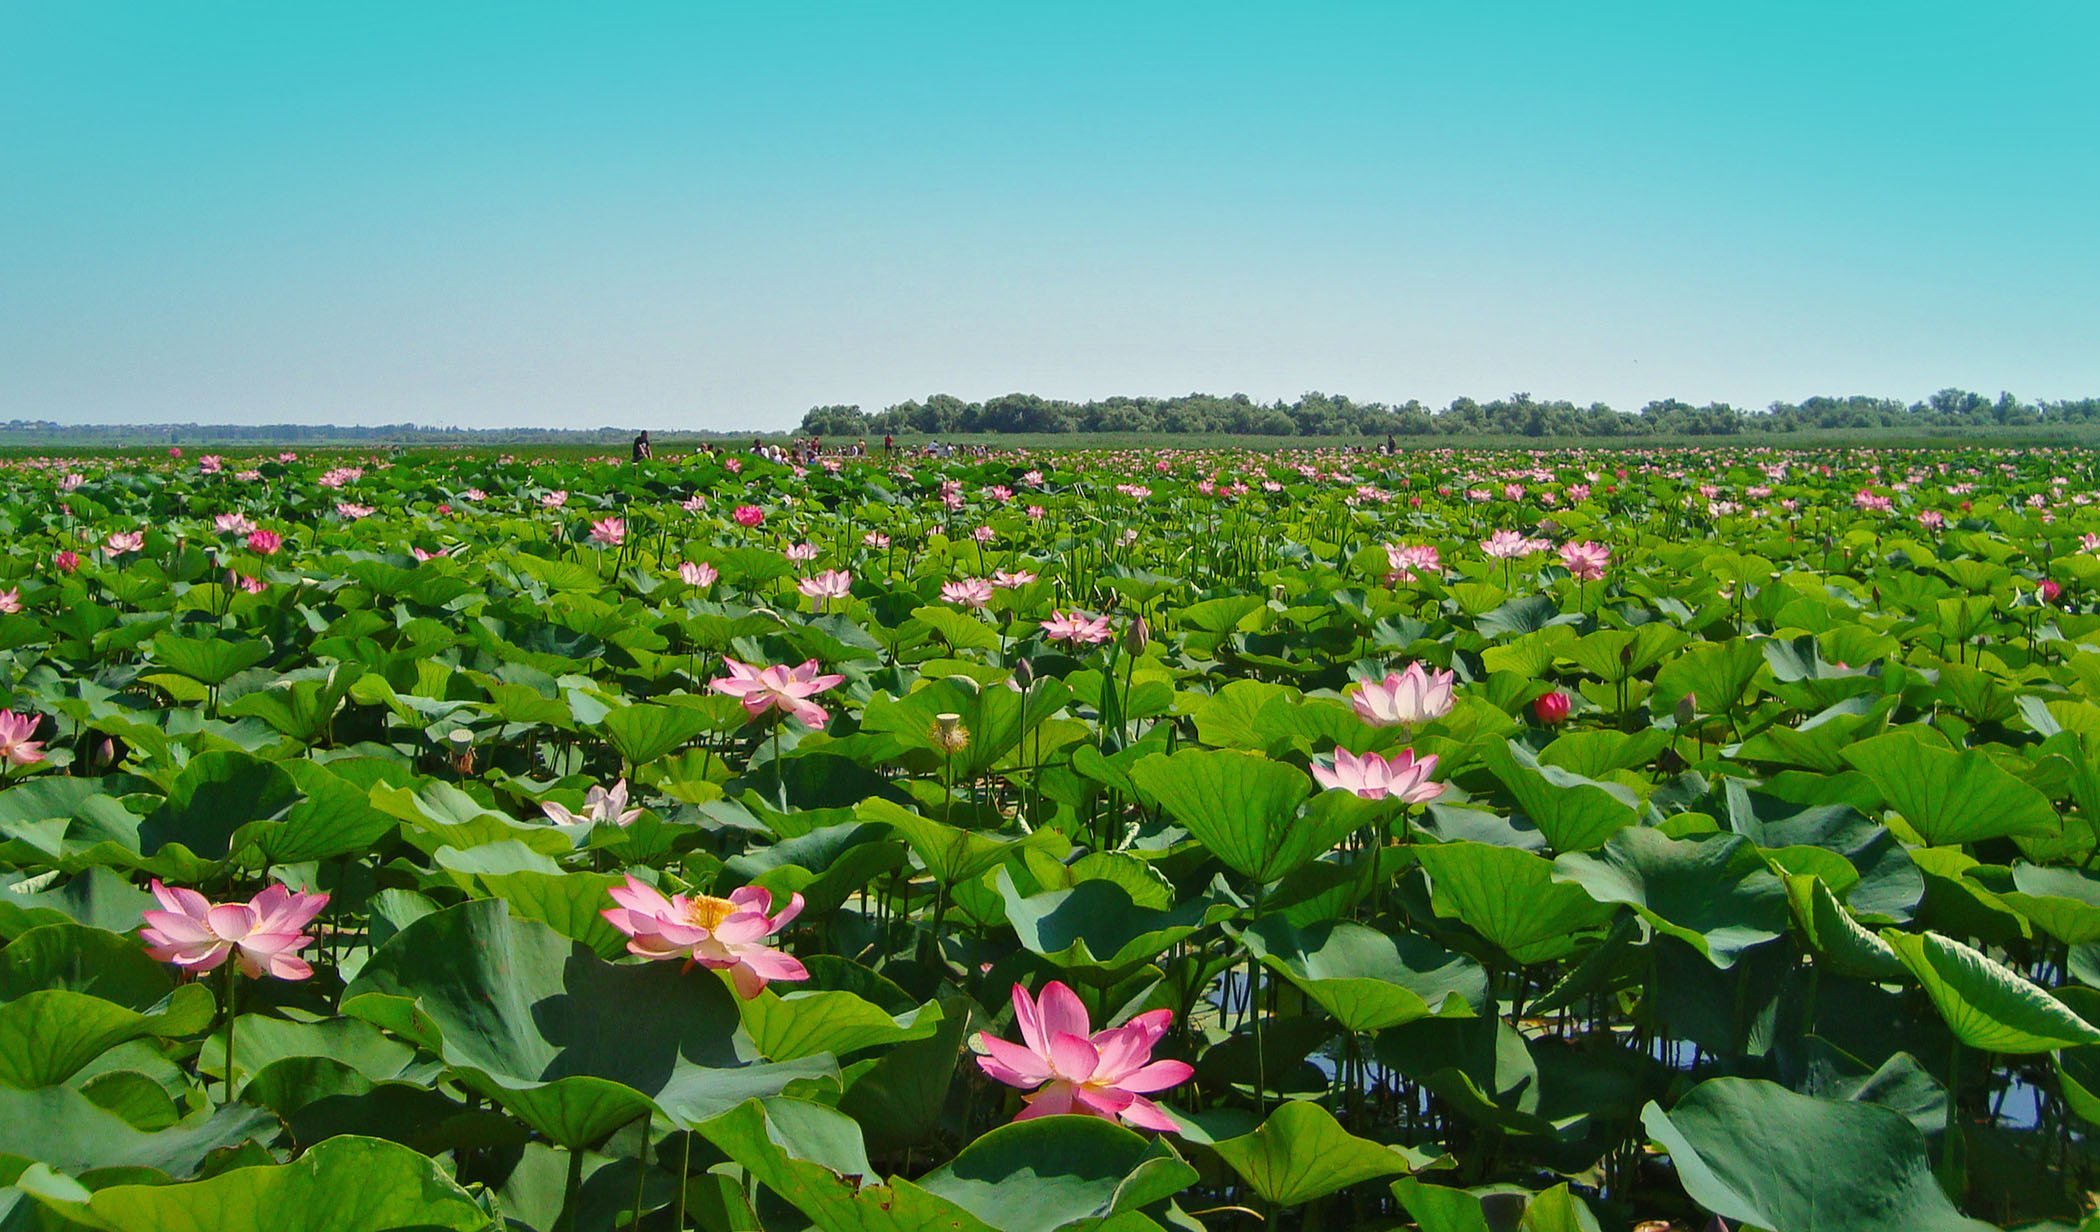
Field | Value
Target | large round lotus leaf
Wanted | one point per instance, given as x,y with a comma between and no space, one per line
345,1184
1367,979
1950,797
1713,893
573,1044
2062,902
1755,1152
1509,896
1301,1152
1985,1003
1573,812
69,1132
48,1035
1058,1172
813,1157
1095,927
1241,806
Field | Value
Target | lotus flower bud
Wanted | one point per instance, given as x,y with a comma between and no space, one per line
1136,636
1552,708
1024,673
1687,709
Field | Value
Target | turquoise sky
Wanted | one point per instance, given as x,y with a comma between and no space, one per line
711,215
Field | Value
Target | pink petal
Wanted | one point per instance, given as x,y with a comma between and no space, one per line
1022,1067
1073,1056
1052,1100
1062,1011
1157,1076
1144,1114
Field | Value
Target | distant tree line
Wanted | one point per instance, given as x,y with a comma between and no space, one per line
1318,414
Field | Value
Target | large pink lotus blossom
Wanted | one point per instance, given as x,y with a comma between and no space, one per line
265,542
1404,699
233,524
826,586
702,574
1375,778
554,500
801,553
351,511
1070,1068
120,542
1509,545
10,601
971,593
718,933
263,935
748,516
65,560
16,747
600,806
1076,627
1403,559
1585,561
1002,580
609,532
782,688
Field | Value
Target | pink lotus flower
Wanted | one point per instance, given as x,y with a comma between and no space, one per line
801,553
972,593
554,500
1404,558
779,687
1585,561
694,503
351,511
748,516
984,534
876,539
1002,580
826,586
121,542
1509,545
717,933
609,532
10,601
1404,699
2050,590
262,935
599,807
1552,708
1069,1068
1076,627
265,542
253,585
1374,778
72,481
233,524
702,574
16,747
211,464
65,560
422,555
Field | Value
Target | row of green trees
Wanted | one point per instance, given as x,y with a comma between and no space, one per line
1319,414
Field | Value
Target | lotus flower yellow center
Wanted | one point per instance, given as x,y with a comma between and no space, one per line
707,911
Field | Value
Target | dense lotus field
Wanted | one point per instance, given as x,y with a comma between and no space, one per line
1461,841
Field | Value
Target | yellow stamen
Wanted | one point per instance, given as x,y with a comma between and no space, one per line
707,911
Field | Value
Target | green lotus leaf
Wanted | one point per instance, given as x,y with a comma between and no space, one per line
1950,797
1510,897
1094,927
346,1184
1739,1145
1573,812
1714,893
1988,1005
1241,806
1367,979
575,1046
1301,1153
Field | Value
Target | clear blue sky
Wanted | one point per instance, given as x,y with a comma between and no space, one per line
711,215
